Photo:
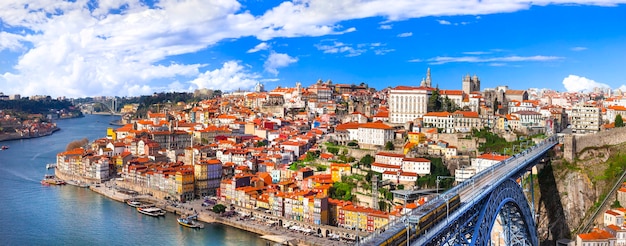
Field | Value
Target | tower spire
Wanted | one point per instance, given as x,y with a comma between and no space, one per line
428,80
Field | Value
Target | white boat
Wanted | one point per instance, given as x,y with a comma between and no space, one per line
133,203
77,183
152,211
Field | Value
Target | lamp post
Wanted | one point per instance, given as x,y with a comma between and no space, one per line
406,219
439,178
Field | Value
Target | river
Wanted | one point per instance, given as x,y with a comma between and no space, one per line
32,214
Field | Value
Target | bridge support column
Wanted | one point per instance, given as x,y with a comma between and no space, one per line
507,202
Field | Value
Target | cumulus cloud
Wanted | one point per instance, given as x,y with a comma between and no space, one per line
259,47
575,83
278,60
444,22
405,34
123,47
230,76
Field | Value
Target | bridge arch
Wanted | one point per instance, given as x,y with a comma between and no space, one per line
508,202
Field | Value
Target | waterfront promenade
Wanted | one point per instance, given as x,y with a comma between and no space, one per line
274,233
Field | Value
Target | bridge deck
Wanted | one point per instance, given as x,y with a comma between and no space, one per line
471,191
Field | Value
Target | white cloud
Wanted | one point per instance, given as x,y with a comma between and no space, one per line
444,22
405,34
230,76
339,47
383,51
475,59
123,47
259,47
579,48
10,41
416,60
385,27
278,60
574,83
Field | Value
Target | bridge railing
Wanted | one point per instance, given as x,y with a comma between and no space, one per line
394,225
474,200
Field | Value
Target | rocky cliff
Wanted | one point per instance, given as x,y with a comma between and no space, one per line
568,192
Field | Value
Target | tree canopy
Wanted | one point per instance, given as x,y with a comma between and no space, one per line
619,122
389,145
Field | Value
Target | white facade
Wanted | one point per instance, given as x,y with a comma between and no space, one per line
408,103
585,118
375,134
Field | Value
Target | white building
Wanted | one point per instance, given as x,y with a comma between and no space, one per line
585,118
374,134
407,103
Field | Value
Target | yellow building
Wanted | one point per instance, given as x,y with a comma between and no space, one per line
111,134
185,183
339,169
416,137
201,176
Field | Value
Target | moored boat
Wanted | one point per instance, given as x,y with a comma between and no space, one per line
50,179
152,211
133,203
190,222
77,183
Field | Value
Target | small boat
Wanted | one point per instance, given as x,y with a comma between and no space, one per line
77,183
190,222
134,203
152,211
4,147
50,179
48,166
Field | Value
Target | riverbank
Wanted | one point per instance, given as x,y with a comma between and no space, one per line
276,234
18,136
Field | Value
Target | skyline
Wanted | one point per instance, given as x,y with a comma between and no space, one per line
129,47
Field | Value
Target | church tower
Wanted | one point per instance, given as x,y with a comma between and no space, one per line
467,84
428,80
259,87
475,84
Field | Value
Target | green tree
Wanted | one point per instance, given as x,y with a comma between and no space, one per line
219,208
341,190
367,160
333,150
400,187
619,122
434,101
389,146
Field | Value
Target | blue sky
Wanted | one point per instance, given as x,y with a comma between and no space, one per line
131,47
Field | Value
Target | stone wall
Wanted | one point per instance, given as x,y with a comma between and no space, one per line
462,144
574,144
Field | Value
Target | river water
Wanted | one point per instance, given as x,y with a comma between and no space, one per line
32,214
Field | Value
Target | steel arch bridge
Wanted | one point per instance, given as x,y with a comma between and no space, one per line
491,200
474,226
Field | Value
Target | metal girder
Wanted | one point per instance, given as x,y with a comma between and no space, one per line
508,201
475,225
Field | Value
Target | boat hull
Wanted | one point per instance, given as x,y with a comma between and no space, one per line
190,224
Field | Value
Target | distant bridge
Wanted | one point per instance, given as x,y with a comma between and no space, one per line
110,104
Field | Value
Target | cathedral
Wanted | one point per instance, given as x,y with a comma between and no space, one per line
471,84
